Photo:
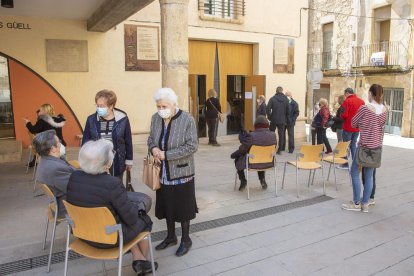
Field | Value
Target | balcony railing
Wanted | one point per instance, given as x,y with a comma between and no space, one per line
388,53
222,8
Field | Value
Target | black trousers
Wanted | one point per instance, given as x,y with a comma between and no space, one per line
260,174
313,134
212,130
373,183
291,137
280,134
322,139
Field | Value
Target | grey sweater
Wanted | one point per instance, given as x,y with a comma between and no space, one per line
181,142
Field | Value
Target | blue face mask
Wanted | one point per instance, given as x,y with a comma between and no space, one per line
102,111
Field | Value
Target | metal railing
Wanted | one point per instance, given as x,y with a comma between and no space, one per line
388,53
223,8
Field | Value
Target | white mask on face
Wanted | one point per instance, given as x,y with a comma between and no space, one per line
164,113
62,150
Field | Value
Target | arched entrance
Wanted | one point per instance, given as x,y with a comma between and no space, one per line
22,91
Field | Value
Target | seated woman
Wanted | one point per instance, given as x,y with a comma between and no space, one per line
53,171
93,186
261,136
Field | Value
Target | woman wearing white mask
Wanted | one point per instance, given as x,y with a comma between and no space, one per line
173,140
111,124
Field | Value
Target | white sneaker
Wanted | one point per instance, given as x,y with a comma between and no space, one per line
351,206
371,201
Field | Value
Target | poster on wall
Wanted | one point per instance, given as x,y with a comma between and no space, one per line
142,51
283,55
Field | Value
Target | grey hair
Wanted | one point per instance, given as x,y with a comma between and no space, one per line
167,94
44,141
95,156
279,89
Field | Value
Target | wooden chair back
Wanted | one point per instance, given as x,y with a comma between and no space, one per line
261,154
341,149
311,153
74,163
90,223
48,192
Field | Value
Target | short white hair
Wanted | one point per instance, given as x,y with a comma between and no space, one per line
166,94
94,156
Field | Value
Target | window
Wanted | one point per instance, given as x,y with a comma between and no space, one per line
222,10
327,46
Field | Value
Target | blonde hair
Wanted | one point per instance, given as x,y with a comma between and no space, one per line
48,109
212,93
109,95
323,102
262,98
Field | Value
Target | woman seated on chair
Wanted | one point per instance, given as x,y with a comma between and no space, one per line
261,136
54,170
93,186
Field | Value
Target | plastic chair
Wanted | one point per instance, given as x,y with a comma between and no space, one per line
259,155
52,215
308,158
339,157
98,225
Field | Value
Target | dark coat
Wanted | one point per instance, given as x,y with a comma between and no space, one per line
293,113
121,138
261,110
46,122
278,109
338,121
104,190
212,106
259,137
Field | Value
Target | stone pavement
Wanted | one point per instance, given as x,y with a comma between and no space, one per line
320,239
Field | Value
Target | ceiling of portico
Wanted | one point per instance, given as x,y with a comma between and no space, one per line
59,9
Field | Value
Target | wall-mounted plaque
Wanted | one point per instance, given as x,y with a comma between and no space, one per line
283,55
67,55
141,48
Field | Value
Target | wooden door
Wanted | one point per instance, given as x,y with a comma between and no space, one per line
254,87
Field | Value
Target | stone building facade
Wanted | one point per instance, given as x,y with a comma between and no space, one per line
360,42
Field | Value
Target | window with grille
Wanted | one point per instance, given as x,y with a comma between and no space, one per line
225,9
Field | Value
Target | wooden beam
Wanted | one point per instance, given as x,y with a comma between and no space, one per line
113,12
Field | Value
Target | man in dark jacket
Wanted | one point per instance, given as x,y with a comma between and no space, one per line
278,113
261,136
293,115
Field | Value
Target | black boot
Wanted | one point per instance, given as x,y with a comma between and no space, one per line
243,181
263,183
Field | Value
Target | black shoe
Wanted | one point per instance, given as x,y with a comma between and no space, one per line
32,163
165,243
279,152
243,184
216,145
263,183
184,248
142,267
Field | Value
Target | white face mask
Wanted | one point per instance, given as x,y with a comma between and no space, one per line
62,150
164,113
102,111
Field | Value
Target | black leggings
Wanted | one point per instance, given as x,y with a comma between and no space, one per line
322,139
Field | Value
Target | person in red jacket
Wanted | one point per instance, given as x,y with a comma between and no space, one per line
351,106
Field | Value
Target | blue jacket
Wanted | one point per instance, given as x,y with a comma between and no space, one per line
121,138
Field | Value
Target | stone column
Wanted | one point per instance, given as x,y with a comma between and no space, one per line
174,48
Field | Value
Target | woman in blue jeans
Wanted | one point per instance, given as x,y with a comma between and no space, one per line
370,119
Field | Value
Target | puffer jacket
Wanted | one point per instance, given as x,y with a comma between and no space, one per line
278,109
104,190
121,138
259,137
46,122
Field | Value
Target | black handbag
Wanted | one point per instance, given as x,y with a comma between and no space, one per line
128,184
369,158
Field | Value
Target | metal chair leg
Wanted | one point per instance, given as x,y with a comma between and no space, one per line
34,168
104,268
297,185
274,169
46,229
323,180
309,178
52,241
283,181
247,180
336,183
151,255
313,177
67,252
329,172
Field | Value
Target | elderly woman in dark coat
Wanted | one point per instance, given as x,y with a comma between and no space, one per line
173,140
261,136
93,186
